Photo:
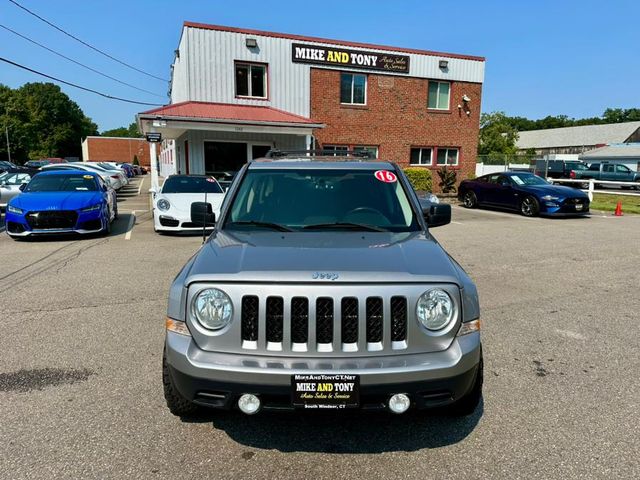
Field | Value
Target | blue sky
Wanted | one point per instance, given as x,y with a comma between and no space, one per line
543,57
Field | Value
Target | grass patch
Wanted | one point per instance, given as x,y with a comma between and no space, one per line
608,203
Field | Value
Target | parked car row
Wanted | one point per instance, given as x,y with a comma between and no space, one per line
575,169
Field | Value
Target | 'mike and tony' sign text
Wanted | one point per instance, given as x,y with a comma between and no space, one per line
303,53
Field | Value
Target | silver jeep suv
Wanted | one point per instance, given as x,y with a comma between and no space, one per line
322,288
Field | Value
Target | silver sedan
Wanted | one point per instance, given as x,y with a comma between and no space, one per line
10,183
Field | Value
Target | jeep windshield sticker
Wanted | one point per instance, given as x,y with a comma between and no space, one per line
386,176
87,177
517,179
211,180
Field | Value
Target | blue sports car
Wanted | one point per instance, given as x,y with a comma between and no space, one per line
524,192
62,201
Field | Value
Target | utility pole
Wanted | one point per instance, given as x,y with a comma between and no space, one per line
6,132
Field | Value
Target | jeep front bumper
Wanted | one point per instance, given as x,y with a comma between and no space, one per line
217,380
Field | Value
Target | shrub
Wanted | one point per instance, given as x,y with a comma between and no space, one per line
420,178
135,160
447,180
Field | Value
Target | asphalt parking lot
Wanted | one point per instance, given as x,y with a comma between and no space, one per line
81,393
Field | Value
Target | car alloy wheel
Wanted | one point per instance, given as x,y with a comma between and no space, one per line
470,200
529,207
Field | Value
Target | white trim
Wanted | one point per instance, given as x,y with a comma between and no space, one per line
431,149
439,82
265,82
353,76
446,149
142,139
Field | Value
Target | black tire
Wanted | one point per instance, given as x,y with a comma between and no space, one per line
469,200
468,404
106,231
177,404
529,206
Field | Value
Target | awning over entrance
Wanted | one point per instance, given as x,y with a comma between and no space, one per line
221,136
173,120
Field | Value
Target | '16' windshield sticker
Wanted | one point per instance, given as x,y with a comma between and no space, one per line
386,176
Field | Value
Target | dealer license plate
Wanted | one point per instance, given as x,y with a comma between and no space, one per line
335,391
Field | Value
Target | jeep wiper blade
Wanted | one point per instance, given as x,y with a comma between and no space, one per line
254,223
345,225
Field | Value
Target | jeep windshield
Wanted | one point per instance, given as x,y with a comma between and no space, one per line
319,200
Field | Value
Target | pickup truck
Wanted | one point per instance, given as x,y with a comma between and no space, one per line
608,172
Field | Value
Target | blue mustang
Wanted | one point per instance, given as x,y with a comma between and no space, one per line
62,201
524,192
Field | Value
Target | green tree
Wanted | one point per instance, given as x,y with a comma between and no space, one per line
618,115
131,131
497,134
43,122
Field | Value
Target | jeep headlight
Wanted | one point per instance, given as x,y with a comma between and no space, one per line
212,308
435,309
163,204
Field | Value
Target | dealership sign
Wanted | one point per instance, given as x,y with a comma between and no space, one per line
340,57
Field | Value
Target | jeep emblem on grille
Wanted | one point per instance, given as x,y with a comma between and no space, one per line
325,276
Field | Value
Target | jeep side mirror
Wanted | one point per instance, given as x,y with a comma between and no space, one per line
437,215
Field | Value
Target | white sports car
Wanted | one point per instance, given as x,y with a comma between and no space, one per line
180,205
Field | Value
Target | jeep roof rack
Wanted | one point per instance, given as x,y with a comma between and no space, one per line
334,155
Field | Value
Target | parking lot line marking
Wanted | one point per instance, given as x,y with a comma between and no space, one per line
140,187
132,221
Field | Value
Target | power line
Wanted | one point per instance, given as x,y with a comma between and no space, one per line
2,59
85,43
76,62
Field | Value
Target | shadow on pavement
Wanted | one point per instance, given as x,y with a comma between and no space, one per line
359,432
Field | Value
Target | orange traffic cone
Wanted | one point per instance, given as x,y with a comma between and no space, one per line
618,212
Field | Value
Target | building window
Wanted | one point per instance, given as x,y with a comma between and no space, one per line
353,89
373,151
439,93
251,80
421,156
448,156
336,149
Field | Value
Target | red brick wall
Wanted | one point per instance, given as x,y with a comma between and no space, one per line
396,118
118,150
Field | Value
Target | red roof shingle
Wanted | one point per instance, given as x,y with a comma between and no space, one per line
228,111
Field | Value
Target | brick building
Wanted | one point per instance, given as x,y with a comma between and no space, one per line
115,149
236,93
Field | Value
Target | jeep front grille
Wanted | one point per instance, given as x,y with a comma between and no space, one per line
324,325
250,318
275,316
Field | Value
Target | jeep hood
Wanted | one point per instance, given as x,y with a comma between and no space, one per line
309,256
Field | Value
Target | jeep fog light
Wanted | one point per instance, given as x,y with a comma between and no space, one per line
435,309
249,403
399,403
212,308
